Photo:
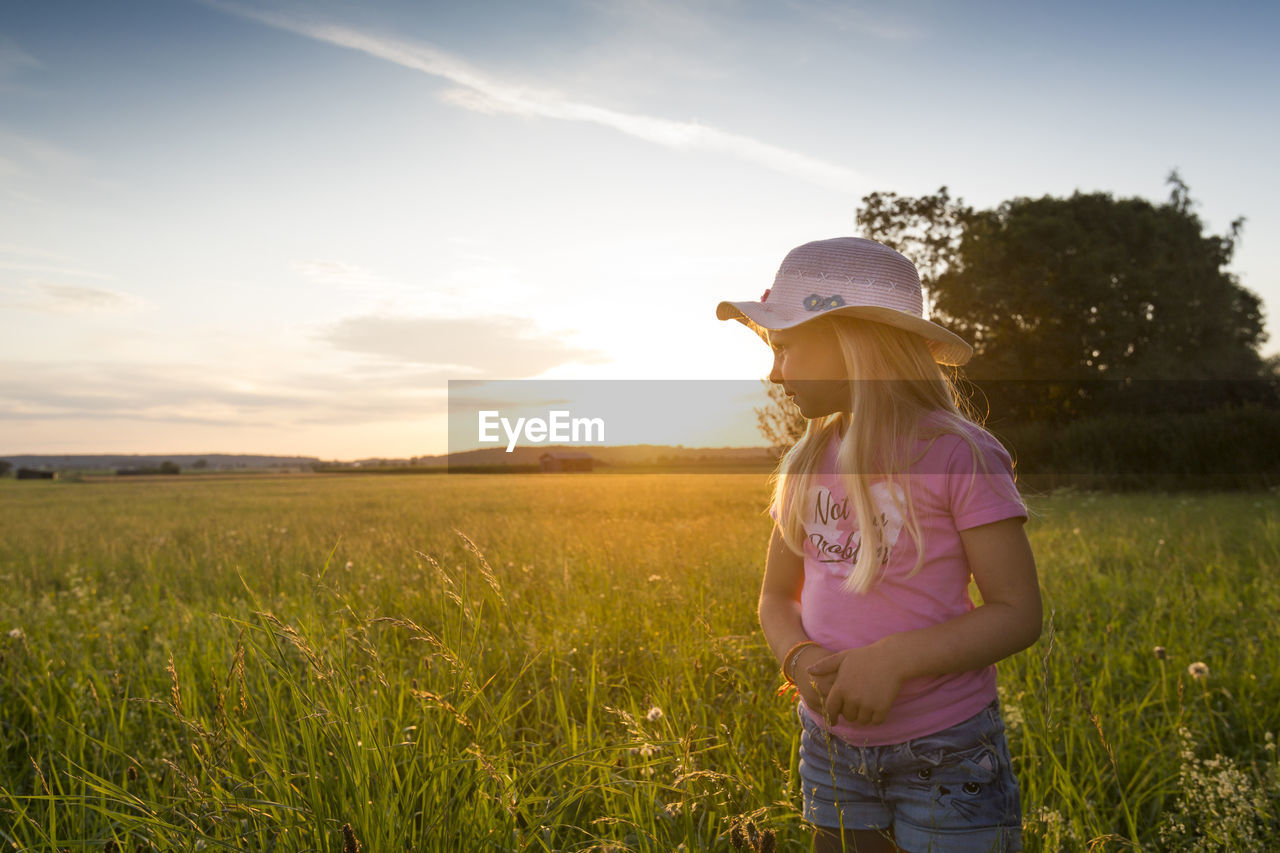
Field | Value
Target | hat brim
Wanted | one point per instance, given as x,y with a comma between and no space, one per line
947,347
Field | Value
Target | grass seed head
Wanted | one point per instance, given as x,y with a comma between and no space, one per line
175,693
350,844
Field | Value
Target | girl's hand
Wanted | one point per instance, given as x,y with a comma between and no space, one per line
857,684
806,683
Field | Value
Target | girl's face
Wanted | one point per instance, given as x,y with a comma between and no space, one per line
808,365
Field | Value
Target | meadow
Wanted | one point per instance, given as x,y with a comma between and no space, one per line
572,662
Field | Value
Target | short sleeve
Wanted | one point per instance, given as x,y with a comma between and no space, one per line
977,496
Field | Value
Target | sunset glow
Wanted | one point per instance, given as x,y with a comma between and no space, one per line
274,227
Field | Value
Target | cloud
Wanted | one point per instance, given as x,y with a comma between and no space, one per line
13,59
479,91
188,394
340,274
462,348
845,17
53,270
48,297
30,154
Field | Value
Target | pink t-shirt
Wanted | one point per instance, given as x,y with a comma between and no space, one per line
945,503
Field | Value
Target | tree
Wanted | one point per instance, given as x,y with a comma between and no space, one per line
780,422
1092,287
1079,295
5,467
928,230
1071,303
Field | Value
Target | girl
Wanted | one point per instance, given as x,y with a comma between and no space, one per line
884,509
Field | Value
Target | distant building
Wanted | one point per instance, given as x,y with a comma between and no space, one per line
566,460
33,474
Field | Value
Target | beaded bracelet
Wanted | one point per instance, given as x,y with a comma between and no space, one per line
792,657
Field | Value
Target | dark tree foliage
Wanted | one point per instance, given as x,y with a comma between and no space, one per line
1094,287
928,230
1071,301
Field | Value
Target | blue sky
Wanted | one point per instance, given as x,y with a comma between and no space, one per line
281,227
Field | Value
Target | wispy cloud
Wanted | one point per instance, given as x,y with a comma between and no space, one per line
29,153
463,348
50,269
48,297
846,17
339,274
196,395
483,92
13,60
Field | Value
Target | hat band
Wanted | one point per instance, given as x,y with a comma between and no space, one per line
823,292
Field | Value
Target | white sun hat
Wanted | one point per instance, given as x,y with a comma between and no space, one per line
848,276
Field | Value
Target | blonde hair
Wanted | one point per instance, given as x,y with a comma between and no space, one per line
894,384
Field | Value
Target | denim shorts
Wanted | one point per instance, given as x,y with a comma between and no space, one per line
949,791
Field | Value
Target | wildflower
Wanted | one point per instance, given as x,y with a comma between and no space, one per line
654,578
648,750
655,714
1198,670
16,634
1159,652
350,565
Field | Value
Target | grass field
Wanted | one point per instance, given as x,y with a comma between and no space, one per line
252,664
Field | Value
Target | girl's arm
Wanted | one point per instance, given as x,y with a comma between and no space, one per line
780,613
861,684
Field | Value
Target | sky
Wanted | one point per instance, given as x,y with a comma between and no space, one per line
283,227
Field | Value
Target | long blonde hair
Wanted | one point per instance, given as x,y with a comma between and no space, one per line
894,384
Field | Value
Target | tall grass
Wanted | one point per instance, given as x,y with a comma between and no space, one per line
562,662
